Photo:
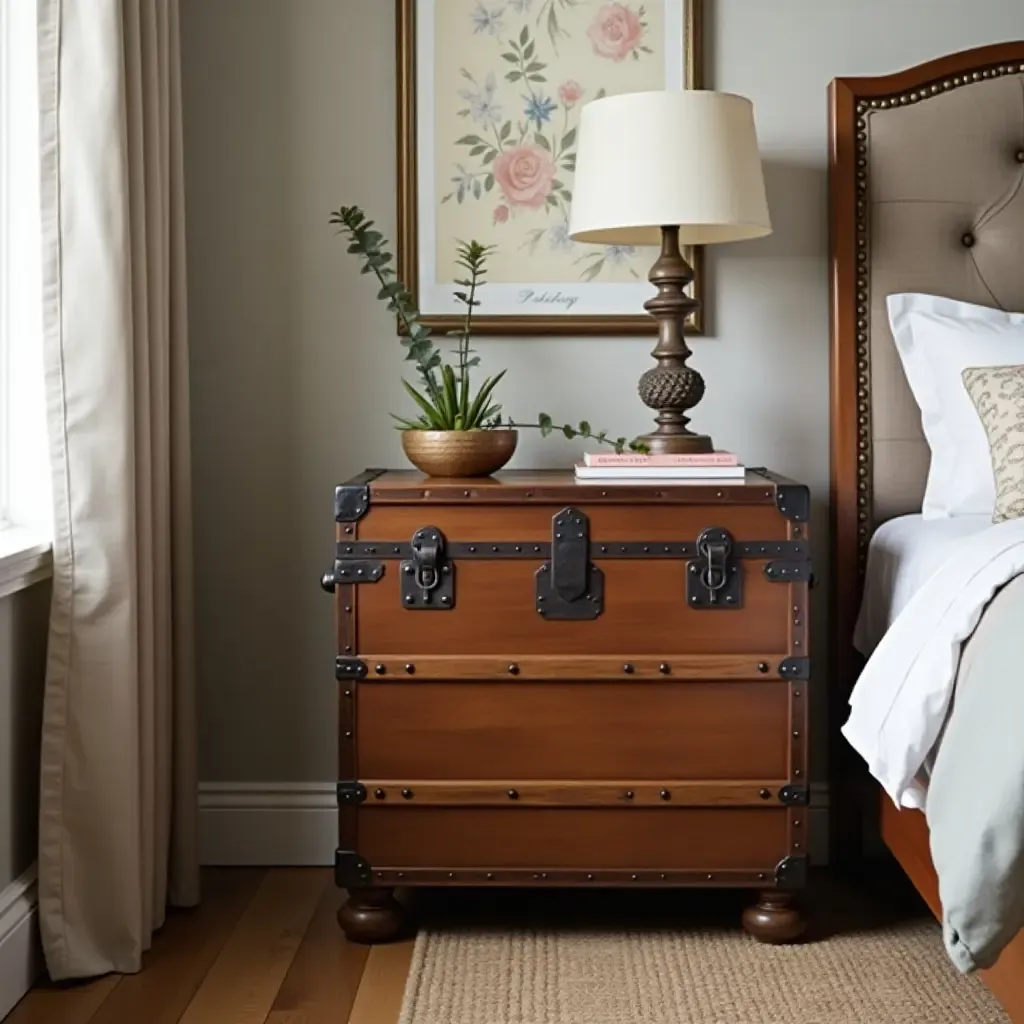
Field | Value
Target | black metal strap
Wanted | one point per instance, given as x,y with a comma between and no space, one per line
386,550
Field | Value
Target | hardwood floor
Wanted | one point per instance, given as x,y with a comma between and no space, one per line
262,948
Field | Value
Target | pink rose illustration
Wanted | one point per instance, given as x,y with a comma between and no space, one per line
501,214
615,32
571,92
524,174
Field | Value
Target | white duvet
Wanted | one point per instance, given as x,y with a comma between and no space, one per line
900,702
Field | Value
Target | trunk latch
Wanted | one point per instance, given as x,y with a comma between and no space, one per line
428,577
713,578
570,586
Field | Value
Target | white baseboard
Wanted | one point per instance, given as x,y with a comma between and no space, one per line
296,823
21,958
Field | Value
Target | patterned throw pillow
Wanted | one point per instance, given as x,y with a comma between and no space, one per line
998,395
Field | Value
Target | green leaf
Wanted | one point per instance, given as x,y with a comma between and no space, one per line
390,290
469,140
544,422
524,36
490,156
506,130
528,52
510,57
584,427
513,76
480,402
541,141
536,66
451,399
568,431
568,138
488,182
477,150
429,411
536,78
556,184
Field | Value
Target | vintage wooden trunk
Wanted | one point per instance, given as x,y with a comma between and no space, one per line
550,683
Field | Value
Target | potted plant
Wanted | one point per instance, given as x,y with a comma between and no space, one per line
453,430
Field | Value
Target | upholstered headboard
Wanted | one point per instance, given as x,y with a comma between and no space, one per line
926,174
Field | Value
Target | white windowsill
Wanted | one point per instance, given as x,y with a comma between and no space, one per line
26,558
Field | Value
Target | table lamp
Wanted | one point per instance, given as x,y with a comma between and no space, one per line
669,168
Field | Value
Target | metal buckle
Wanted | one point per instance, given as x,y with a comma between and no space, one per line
428,577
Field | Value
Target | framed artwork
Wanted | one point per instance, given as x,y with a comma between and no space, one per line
489,97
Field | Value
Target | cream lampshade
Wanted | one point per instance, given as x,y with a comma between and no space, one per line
669,168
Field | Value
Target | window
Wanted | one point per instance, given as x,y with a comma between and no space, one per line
24,469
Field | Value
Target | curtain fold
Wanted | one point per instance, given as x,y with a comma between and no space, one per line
118,813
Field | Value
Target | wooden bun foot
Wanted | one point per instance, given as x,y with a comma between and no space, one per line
371,916
775,918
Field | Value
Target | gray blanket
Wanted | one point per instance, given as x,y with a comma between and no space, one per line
975,803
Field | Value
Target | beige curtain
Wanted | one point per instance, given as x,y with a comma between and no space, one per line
117,823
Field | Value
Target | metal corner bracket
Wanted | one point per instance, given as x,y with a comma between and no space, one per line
352,499
794,501
349,668
351,792
794,796
791,872
351,871
795,668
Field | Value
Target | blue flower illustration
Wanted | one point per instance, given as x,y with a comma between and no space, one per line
539,109
558,237
483,107
619,253
486,20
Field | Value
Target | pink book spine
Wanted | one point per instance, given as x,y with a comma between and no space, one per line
663,461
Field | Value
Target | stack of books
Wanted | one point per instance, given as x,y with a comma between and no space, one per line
658,469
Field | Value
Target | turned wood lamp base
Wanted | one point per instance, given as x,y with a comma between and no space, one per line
671,387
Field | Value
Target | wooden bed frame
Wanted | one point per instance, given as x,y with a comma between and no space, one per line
904,832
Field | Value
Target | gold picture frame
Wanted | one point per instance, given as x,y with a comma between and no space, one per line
410,228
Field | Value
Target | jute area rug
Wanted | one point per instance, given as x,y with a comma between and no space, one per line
894,973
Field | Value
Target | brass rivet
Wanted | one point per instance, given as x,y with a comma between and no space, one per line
796,823
796,734
465,494
401,874
513,795
634,877
407,794
664,669
490,876
663,877
764,794
379,669
348,609
410,669
513,670
348,693
628,669
590,878
711,878
797,772
630,794
451,874
348,735
796,693
762,666
379,794
665,795
796,846
760,878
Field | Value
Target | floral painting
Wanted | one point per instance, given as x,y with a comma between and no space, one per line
501,84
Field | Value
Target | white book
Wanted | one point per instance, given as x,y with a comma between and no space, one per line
659,474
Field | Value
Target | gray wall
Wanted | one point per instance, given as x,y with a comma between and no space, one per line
23,619
289,114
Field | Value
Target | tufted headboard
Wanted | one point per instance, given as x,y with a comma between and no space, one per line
925,180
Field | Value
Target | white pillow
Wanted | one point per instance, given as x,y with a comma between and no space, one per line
937,340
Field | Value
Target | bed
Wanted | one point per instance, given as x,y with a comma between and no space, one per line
914,157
